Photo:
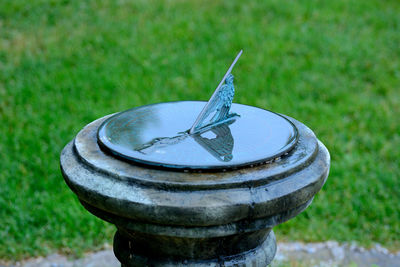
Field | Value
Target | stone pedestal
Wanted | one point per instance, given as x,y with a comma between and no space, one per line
172,218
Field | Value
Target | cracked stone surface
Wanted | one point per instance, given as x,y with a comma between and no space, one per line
327,254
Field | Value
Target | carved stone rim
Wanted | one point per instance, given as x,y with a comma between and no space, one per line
193,208
92,156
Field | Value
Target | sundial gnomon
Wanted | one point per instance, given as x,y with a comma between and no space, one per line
197,135
212,117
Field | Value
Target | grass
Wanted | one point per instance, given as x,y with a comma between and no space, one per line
334,65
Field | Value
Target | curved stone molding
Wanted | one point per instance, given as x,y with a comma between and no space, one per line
172,218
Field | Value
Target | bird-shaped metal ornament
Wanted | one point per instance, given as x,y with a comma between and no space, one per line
213,115
216,111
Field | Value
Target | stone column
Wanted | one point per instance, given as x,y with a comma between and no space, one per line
171,218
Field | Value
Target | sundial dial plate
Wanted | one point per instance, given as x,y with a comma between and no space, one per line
158,135
223,135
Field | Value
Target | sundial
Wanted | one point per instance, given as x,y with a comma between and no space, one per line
197,135
196,183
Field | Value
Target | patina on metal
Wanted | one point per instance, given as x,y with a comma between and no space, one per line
223,135
151,135
219,104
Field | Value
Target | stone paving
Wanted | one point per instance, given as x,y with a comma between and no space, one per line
332,254
327,254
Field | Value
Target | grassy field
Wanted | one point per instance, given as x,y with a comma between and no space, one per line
334,65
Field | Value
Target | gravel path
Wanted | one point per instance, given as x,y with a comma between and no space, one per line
327,254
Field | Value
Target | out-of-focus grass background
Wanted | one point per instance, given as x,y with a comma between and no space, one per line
334,65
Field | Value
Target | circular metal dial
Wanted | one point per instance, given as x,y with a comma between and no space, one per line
158,135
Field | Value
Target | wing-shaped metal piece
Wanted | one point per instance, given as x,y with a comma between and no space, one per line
216,110
213,117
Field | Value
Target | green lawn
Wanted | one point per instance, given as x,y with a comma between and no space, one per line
334,65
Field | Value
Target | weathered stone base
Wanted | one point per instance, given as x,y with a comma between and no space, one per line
261,256
170,218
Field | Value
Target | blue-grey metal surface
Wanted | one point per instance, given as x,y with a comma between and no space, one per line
216,111
158,135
